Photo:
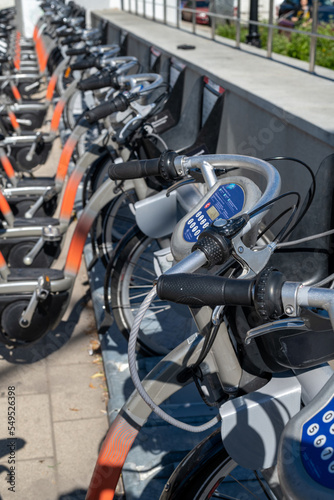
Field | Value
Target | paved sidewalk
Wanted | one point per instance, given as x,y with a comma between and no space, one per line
60,401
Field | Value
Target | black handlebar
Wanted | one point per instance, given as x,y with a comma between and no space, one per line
264,292
64,32
135,169
97,82
90,62
71,39
57,22
120,103
76,52
198,290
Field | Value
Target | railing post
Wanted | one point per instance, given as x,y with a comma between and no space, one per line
193,15
136,4
313,41
165,11
270,29
178,13
213,26
153,10
238,26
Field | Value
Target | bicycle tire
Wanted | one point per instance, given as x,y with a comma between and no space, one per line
114,219
129,277
93,175
208,471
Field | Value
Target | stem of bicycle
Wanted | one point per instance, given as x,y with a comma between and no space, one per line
53,79
58,111
161,383
104,195
80,169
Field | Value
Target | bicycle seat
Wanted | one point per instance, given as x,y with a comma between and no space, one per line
27,274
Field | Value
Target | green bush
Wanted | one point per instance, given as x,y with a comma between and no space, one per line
288,44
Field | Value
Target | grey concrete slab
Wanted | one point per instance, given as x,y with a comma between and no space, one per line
77,445
75,335
77,393
28,378
36,479
267,83
32,427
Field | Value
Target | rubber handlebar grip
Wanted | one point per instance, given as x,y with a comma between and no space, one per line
198,290
134,169
84,64
62,33
95,82
120,103
56,22
76,52
71,39
101,111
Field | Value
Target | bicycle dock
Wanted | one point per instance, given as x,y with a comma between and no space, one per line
241,143
150,462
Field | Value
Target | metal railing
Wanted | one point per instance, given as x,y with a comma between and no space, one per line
160,11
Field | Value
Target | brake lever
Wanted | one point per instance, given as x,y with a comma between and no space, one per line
274,326
178,184
252,261
141,113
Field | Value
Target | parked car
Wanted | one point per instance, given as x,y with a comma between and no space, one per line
223,7
202,9
325,9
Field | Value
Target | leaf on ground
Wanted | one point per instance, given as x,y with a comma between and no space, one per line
92,386
95,345
74,409
97,375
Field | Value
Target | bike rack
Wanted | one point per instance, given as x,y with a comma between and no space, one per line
152,459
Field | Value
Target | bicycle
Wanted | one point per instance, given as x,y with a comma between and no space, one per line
215,247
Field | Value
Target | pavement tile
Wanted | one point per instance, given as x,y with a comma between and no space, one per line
75,395
33,427
27,377
77,446
73,336
35,480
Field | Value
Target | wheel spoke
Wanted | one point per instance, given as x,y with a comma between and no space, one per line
134,306
147,270
155,312
140,278
138,295
244,487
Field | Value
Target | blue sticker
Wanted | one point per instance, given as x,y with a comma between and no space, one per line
317,446
225,202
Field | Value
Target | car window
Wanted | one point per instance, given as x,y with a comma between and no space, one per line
201,4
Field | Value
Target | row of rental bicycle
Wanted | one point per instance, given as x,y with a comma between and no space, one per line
208,263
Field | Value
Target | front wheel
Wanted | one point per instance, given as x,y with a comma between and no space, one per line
129,278
209,472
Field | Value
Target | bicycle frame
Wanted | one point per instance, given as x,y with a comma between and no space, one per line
163,380
64,280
